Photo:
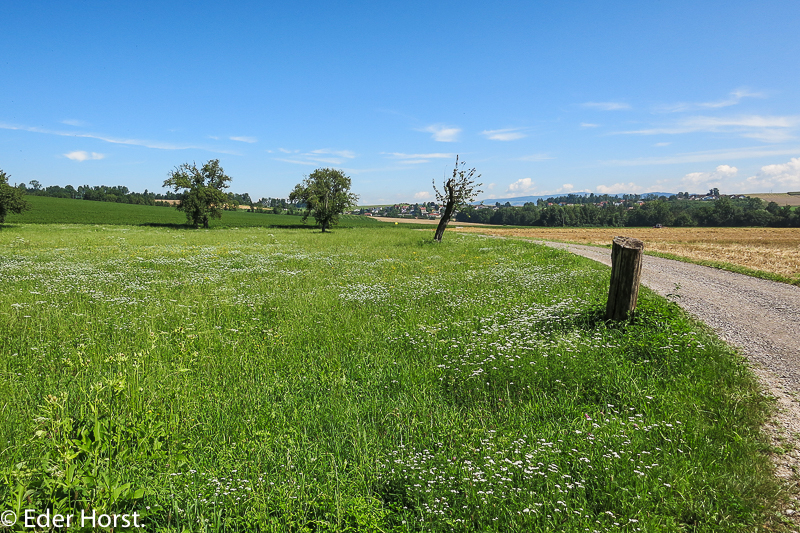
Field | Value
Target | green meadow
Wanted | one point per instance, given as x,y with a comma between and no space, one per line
280,379
45,210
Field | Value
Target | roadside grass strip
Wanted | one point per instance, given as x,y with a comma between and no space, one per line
365,380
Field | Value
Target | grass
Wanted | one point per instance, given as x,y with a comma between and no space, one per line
364,380
770,253
45,210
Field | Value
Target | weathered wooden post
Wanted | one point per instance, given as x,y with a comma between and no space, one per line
626,270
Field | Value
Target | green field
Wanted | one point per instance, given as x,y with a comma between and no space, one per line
258,379
46,210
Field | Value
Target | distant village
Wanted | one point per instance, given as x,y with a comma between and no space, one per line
431,210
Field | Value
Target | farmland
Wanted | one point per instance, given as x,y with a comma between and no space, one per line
780,198
770,250
279,379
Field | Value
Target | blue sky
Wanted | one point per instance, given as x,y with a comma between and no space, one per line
540,97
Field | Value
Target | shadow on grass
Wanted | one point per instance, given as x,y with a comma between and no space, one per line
171,225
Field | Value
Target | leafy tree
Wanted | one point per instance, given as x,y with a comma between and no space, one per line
202,195
326,193
11,198
457,191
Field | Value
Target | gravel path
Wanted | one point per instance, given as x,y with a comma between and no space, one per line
760,317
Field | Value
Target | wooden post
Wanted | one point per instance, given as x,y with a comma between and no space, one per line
626,270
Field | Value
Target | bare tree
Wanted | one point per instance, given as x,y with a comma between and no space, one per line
457,191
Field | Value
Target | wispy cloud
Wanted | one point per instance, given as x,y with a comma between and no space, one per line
113,140
751,152
535,157
764,128
662,144
422,195
733,98
347,154
73,122
607,106
508,134
411,159
442,133
315,157
296,161
589,125
244,139
84,156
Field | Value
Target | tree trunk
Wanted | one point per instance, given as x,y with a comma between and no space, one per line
626,270
448,212
449,207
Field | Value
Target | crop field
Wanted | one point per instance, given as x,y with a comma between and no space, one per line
258,379
771,250
780,198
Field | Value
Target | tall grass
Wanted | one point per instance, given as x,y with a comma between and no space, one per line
364,380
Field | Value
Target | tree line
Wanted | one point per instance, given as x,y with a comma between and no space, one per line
119,194
632,211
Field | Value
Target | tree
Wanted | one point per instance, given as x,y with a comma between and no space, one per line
326,193
11,198
457,191
202,195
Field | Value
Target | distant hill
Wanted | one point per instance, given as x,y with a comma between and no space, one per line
522,200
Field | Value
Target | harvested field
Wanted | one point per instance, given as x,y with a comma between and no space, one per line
774,250
779,198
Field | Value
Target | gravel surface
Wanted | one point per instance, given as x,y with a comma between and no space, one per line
760,317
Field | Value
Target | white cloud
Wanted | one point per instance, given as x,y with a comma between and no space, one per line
607,106
244,139
84,156
703,181
296,162
73,122
315,157
347,154
765,128
522,187
734,98
535,157
620,188
779,178
443,133
422,195
589,125
414,159
509,134
490,186
114,140
662,144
